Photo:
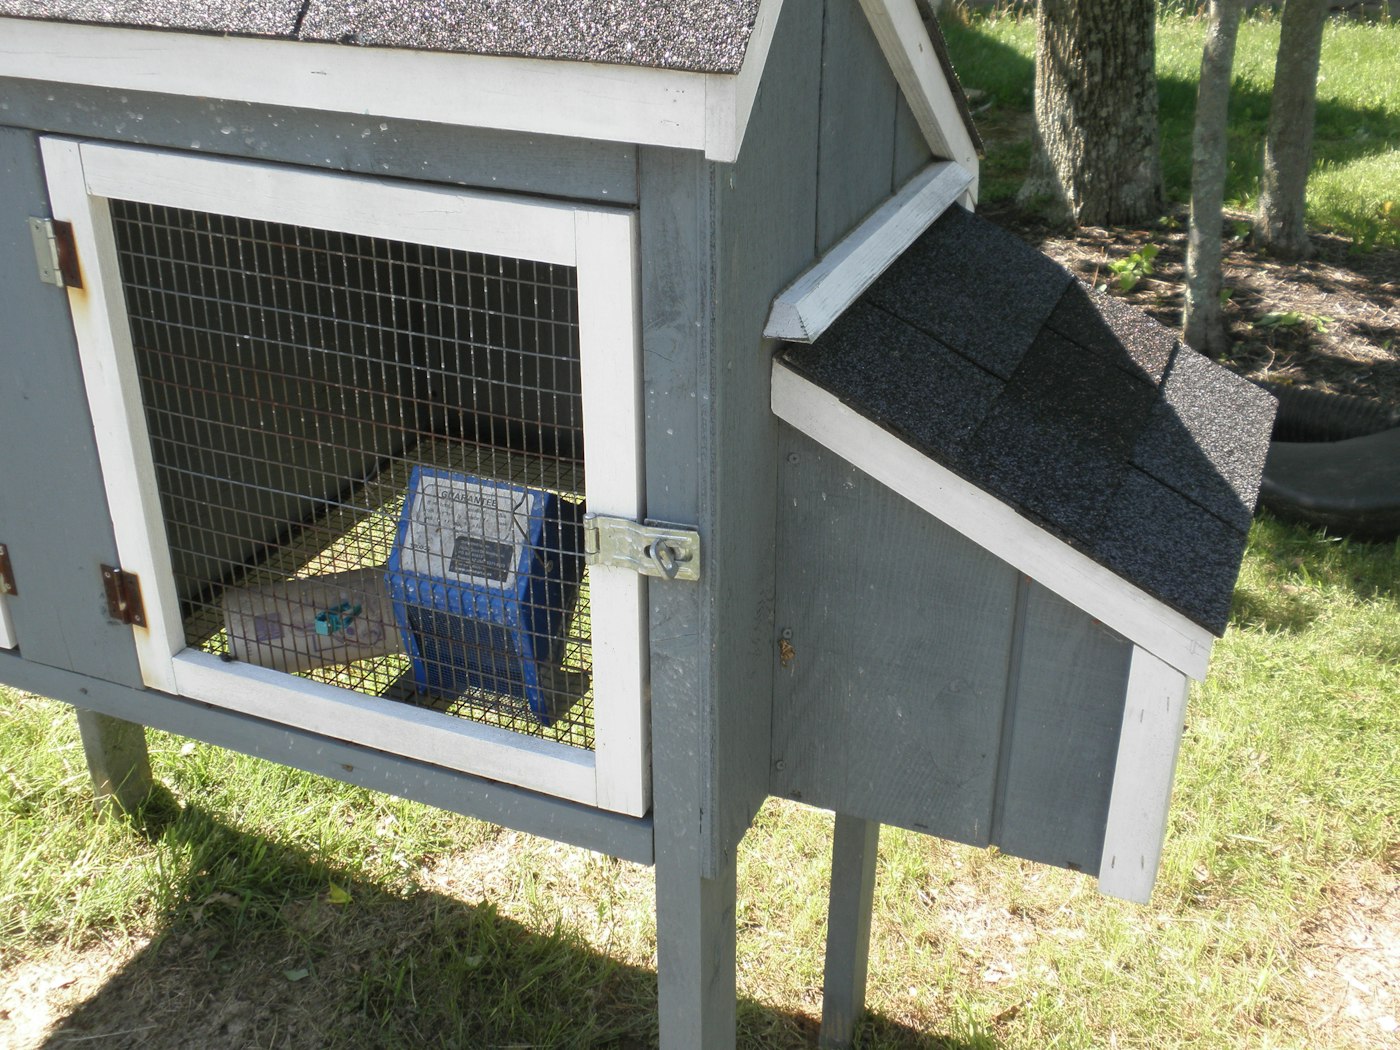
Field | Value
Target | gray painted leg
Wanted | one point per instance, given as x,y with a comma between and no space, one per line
117,760
853,852
695,948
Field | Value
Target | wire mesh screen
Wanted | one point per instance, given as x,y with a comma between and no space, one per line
370,460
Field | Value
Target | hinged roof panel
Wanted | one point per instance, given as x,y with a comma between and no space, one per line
704,36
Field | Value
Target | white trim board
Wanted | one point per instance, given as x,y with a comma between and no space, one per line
1153,720
616,103
7,627
991,524
899,27
808,306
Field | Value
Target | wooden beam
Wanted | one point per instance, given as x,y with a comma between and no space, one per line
118,761
1153,720
808,306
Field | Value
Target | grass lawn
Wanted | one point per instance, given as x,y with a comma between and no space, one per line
250,905
1354,187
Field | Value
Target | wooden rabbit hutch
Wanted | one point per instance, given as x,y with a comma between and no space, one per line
594,418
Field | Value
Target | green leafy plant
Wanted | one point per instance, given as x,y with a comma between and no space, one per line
1293,319
1128,272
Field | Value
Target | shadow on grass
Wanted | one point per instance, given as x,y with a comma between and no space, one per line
1301,565
269,947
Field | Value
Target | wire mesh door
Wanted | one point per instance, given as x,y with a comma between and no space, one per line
364,459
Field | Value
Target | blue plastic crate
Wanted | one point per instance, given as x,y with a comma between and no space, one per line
482,577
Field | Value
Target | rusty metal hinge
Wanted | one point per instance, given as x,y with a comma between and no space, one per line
56,252
123,596
7,572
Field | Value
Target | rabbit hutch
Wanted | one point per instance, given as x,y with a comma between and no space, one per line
594,418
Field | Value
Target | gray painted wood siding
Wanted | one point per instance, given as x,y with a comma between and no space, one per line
53,508
497,160
924,683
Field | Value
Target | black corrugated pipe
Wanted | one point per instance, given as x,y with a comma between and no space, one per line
1314,415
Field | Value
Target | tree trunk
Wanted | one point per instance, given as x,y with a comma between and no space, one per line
1280,224
1096,158
1205,319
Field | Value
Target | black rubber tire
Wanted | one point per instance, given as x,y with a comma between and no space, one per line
1313,415
1350,487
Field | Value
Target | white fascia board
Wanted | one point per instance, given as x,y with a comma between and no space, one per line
1154,716
992,524
808,306
899,27
615,103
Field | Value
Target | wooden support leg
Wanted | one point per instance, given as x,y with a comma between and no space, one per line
848,928
695,948
117,760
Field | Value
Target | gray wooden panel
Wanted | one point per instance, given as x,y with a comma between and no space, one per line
858,93
765,233
911,149
53,508
610,833
497,160
890,704
1062,739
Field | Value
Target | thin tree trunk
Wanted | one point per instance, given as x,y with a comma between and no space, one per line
1280,225
1205,319
1097,159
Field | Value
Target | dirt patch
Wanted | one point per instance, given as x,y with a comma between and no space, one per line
1330,323
35,994
1350,963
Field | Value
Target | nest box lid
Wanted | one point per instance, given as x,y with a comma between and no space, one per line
1079,415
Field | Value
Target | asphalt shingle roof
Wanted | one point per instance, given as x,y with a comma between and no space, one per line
707,36
1080,412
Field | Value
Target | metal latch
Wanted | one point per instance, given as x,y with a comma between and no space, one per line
671,552
7,572
56,252
123,596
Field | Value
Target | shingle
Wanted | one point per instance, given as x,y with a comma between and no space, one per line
708,36
1125,336
1172,548
1208,437
974,287
899,377
253,17
1057,441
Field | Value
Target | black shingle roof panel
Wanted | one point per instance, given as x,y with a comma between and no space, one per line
1208,455
1086,417
1183,555
914,385
965,285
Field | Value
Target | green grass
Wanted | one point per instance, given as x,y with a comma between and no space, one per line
369,921
1354,187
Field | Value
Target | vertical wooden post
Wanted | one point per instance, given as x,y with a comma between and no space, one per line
117,760
695,952
853,849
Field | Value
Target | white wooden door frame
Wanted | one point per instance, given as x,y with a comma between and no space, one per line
600,242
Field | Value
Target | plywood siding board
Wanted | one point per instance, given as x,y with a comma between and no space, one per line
535,814
583,169
1064,717
894,634
53,515
765,233
911,150
858,94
